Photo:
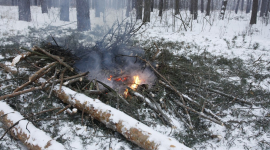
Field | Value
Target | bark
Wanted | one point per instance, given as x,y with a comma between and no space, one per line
253,19
263,8
191,9
237,6
147,10
128,8
36,139
139,5
202,6
24,10
44,6
97,8
83,15
152,5
195,9
248,6
49,4
208,8
160,8
64,10
223,9
177,7
242,5
130,128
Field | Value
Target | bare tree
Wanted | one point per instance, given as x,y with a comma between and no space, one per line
24,10
147,10
64,10
177,7
44,6
160,8
202,6
253,19
237,6
139,5
83,15
128,7
263,8
195,9
223,9
208,8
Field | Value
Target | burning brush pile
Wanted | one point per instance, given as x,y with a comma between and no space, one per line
113,80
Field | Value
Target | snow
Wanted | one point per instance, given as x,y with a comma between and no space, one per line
232,37
32,133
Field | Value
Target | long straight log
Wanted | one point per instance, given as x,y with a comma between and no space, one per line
116,120
32,137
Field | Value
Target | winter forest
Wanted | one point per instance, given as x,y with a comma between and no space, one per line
134,75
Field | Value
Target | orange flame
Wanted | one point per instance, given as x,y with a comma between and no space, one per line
126,93
137,81
110,78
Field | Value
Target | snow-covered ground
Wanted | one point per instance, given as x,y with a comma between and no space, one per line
232,37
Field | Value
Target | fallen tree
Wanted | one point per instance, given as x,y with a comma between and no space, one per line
32,137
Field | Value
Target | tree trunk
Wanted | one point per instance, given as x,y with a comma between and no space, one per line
128,8
64,10
130,128
208,8
147,10
263,8
160,8
29,137
223,9
97,8
49,3
139,5
242,5
176,7
248,6
44,6
237,6
24,10
165,4
191,7
195,9
202,6
14,2
152,5
253,19
83,15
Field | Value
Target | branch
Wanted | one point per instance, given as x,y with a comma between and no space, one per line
54,57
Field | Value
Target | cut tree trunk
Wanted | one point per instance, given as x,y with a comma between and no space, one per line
32,137
116,120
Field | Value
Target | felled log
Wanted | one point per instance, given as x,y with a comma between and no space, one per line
116,120
32,137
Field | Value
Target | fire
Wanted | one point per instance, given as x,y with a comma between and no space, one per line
110,78
126,93
137,81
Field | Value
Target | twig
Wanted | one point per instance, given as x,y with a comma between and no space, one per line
112,90
62,110
181,96
36,76
62,78
54,57
224,94
155,107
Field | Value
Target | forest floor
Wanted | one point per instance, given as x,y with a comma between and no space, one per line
231,47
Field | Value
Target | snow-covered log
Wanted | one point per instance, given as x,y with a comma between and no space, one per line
32,137
132,129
